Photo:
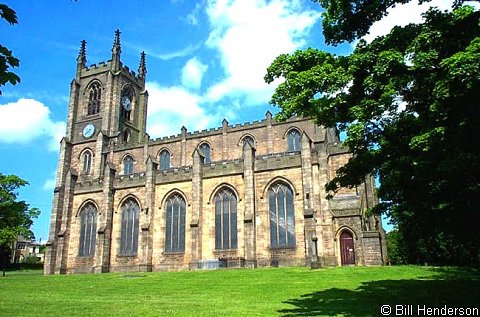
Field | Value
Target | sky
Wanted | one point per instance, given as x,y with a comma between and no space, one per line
205,60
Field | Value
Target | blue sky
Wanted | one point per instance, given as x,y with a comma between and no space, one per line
205,60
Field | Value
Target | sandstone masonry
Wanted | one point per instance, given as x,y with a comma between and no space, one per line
240,195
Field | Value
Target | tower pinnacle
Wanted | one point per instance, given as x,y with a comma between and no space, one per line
142,68
82,57
116,50
116,42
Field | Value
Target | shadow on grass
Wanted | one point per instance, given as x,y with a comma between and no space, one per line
453,290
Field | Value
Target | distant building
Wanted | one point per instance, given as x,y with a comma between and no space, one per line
24,248
245,195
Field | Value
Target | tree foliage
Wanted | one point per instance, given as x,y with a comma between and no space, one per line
347,20
7,60
409,104
16,217
395,248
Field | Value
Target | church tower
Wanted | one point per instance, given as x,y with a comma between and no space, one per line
107,98
107,105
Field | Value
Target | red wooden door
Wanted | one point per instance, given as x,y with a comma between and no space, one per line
347,249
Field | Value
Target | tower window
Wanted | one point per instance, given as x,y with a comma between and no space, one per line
293,140
94,98
88,230
87,161
225,220
164,160
129,234
175,226
282,221
128,165
205,150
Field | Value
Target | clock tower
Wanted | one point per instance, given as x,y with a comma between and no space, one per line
109,98
107,109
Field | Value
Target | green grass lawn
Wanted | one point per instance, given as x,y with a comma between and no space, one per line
343,291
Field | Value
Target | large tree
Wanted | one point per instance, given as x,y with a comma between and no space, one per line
16,217
409,105
7,60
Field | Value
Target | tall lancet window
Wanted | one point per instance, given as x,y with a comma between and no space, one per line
282,216
175,224
128,165
87,161
205,150
293,140
129,234
225,220
94,99
88,230
248,139
164,160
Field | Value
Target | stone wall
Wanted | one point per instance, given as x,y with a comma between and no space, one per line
249,170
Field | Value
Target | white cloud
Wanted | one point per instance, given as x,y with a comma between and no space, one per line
170,108
248,35
27,120
192,17
192,73
187,50
403,14
49,184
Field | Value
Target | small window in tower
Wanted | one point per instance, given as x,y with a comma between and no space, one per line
87,161
128,165
94,98
126,103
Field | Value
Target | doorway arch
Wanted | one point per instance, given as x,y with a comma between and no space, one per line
347,248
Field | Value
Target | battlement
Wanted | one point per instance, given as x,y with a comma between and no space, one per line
176,174
103,66
88,186
132,180
278,161
94,69
175,137
218,130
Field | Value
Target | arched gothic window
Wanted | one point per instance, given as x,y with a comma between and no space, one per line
87,161
88,230
248,139
293,140
175,224
205,150
282,216
126,102
164,160
94,98
129,234
225,220
128,165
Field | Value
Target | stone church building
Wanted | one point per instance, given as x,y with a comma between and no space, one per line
244,195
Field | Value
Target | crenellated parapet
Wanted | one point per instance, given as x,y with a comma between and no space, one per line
246,194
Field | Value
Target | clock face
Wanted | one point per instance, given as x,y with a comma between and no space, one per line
88,130
126,103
